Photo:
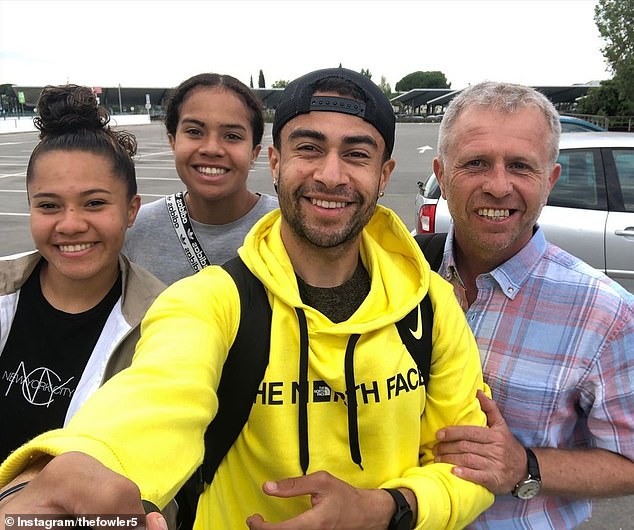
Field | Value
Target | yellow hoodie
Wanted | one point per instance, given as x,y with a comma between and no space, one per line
148,422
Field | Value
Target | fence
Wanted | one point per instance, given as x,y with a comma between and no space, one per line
611,123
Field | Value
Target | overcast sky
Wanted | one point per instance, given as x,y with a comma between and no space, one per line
159,43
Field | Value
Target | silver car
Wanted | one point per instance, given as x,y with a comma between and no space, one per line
590,211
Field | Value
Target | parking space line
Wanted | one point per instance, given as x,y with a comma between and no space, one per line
137,157
158,178
161,168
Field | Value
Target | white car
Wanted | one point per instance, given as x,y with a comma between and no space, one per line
590,211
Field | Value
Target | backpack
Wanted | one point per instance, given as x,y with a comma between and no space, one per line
238,388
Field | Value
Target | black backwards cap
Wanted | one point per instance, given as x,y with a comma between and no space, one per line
298,98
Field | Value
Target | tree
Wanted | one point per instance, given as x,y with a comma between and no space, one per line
261,83
385,87
615,22
251,81
280,83
366,72
419,79
603,100
8,99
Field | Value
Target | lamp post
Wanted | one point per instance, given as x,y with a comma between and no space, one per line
120,107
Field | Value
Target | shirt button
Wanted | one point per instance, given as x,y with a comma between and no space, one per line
510,290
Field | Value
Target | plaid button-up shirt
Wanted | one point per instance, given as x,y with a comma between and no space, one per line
556,339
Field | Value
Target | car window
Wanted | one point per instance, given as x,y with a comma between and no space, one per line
580,184
624,162
432,188
573,127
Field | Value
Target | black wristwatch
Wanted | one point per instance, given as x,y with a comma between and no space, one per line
402,518
531,485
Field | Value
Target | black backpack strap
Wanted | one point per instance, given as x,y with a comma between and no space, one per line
242,374
433,246
243,370
415,329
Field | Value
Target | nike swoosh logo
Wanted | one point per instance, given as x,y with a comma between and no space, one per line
418,332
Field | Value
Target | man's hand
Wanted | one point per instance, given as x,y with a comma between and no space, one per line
74,483
335,504
491,457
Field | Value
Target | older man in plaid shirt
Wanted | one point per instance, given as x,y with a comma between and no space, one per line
556,337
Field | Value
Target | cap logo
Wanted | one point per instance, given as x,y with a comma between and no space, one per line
337,104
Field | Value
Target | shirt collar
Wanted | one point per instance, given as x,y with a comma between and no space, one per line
510,275
448,268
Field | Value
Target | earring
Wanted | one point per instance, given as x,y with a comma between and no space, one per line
381,193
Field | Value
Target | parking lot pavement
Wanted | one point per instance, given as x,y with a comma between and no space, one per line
414,151
156,175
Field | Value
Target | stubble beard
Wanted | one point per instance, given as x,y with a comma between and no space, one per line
322,236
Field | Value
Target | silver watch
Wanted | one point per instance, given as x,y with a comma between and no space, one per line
531,485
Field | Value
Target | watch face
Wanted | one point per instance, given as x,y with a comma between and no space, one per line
528,489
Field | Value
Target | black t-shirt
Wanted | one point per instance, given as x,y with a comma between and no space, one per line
337,303
43,360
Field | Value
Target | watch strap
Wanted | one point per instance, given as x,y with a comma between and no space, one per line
533,465
403,515
530,486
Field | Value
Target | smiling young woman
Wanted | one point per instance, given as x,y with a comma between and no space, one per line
70,311
214,126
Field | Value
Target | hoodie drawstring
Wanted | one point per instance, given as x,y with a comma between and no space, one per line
302,412
351,392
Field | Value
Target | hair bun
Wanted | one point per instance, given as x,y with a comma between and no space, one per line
68,108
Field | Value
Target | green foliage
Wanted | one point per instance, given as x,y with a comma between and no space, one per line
366,72
603,100
280,83
8,97
419,79
615,22
624,80
251,81
261,82
385,87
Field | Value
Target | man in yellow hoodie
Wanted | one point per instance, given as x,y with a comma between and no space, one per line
339,272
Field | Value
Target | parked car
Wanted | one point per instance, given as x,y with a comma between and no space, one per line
590,210
572,124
